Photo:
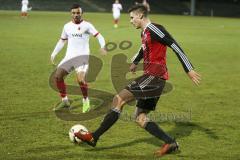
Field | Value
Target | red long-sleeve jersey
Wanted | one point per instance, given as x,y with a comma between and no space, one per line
155,40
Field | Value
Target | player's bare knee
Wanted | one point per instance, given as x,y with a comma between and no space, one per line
58,78
80,80
118,101
59,75
81,77
141,120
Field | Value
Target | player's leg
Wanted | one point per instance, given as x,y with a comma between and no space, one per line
81,78
84,88
116,17
127,94
152,88
29,8
115,23
110,118
117,105
24,11
151,127
59,76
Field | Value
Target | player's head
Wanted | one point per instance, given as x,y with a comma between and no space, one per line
137,14
77,12
116,1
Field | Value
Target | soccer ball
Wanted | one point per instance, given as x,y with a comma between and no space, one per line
76,128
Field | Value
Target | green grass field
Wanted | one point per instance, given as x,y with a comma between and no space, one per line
31,130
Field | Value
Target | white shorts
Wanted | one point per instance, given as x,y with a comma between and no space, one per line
82,68
79,64
24,8
116,15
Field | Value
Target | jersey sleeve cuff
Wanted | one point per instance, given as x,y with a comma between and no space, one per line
95,35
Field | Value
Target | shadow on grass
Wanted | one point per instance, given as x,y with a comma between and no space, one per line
184,129
151,140
36,153
43,149
181,129
101,101
79,156
24,116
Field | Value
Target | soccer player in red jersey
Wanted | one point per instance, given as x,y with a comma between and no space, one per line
147,88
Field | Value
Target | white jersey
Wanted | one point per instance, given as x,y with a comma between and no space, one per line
116,8
25,2
24,5
78,38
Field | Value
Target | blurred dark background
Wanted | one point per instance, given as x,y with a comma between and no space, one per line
223,8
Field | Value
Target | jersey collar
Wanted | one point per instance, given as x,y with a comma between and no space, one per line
78,22
146,26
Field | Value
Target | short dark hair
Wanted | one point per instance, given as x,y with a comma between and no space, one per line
139,8
74,6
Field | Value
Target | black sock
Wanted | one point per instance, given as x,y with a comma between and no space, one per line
107,122
156,131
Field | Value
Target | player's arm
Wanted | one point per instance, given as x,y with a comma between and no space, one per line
60,44
160,34
136,59
102,44
121,7
92,30
138,56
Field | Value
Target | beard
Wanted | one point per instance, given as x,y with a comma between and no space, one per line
77,19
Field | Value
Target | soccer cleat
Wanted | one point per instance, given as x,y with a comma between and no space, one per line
86,105
86,137
166,149
62,105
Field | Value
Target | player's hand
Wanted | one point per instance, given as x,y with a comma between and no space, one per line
52,60
103,51
194,76
133,68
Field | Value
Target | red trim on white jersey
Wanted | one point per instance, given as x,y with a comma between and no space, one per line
96,34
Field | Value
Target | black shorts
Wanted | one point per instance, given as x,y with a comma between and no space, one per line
147,89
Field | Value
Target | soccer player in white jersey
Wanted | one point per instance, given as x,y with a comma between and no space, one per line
116,9
76,33
24,9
